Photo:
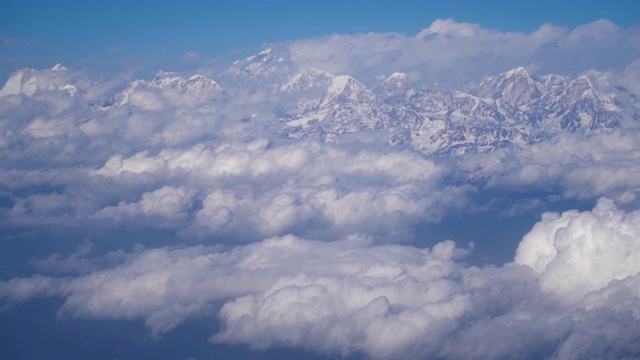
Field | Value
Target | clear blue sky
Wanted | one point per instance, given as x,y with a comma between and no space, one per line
39,33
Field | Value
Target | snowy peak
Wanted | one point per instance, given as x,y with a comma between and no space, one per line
344,88
306,79
515,87
198,84
297,83
273,60
517,72
586,106
274,53
28,82
581,87
58,67
394,84
396,87
152,94
396,79
513,111
552,83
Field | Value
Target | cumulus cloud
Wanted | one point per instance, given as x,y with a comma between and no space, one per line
561,247
572,291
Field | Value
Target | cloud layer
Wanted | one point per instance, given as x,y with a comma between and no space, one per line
572,291
197,166
581,167
452,52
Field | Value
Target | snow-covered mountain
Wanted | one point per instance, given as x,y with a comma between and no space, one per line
167,87
273,70
28,82
515,87
509,110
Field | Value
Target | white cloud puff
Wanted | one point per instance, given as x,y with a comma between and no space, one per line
561,249
571,292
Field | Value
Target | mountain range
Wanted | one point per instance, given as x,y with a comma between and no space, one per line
509,110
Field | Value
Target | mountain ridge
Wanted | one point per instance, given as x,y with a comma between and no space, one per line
511,109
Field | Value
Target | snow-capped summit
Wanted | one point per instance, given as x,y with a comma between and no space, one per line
58,67
396,87
306,79
269,69
346,106
396,79
344,88
271,57
275,59
519,71
151,94
198,84
584,105
580,87
515,87
275,52
28,82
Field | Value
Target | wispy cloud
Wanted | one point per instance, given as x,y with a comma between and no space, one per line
8,41
190,55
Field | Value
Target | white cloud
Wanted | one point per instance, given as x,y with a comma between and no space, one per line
572,274
255,187
561,249
451,52
246,190
168,202
580,167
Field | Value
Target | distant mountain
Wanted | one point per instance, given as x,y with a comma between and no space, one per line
514,87
509,110
28,82
166,87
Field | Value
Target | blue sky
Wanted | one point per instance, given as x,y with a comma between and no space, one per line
158,33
